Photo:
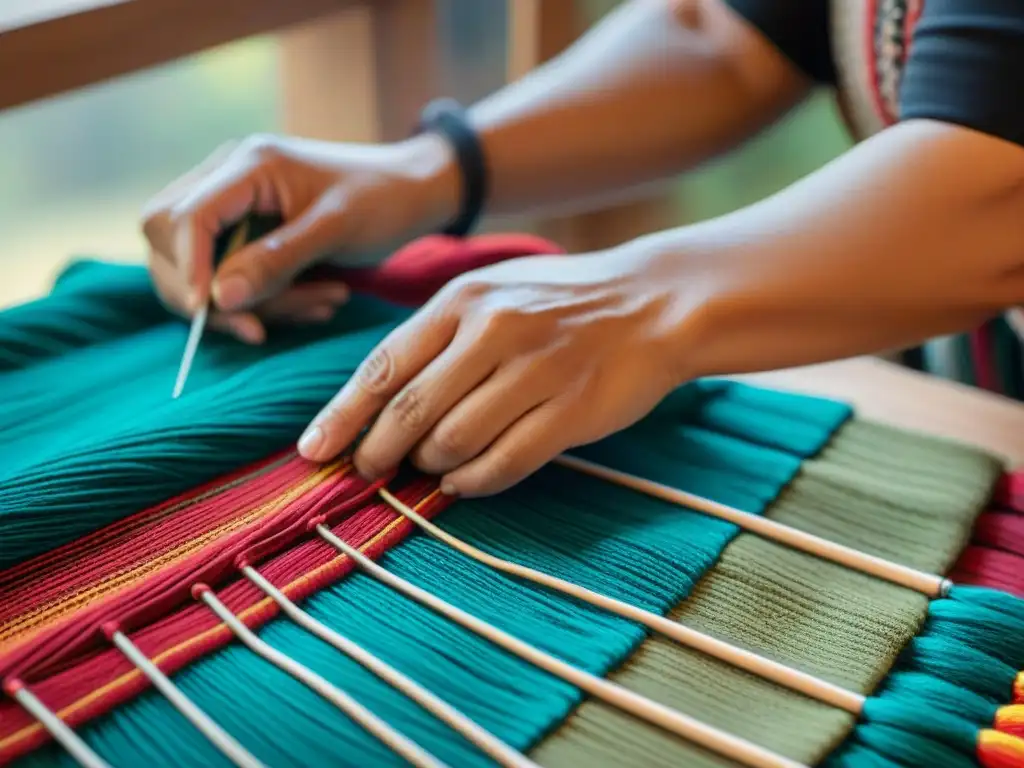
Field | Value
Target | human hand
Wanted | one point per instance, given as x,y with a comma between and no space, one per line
505,368
347,202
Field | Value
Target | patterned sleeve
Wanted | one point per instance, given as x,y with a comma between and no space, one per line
798,28
966,66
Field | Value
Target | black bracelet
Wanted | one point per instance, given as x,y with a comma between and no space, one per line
447,118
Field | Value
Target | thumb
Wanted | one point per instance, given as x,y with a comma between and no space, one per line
268,265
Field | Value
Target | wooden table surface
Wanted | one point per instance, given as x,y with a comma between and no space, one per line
888,393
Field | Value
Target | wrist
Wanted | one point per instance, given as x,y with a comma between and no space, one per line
688,296
428,164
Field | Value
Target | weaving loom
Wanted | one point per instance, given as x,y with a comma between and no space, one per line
770,579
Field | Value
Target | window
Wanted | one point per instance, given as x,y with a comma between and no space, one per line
76,170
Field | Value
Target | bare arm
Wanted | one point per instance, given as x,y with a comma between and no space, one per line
657,87
913,234
654,89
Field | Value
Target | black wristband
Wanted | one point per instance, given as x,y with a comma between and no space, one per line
447,118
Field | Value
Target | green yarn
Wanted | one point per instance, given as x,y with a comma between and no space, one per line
103,350
843,626
607,538
127,445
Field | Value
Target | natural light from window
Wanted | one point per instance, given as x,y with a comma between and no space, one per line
76,170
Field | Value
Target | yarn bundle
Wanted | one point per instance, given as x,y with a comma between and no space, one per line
115,502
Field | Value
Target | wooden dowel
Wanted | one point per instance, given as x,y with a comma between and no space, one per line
395,741
501,752
773,671
925,583
57,728
713,739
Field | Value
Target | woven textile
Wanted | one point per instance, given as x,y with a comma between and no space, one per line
109,524
619,542
884,491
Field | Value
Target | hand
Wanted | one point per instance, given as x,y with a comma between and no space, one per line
505,368
357,201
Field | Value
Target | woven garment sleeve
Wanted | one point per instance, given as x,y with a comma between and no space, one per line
798,28
966,66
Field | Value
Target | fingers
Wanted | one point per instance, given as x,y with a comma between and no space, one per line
525,447
262,268
167,282
421,404
392,365
244,326
306,302
222,197
481,418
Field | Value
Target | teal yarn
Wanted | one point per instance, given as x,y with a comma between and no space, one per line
603,537
909,749
993,633
992,599
856,755
962,665
920,689
127,445
92,435
90,431
938,726
947,684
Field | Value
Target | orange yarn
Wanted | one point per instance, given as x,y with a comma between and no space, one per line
1000,750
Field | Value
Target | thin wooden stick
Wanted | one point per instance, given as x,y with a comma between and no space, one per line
780,674
446,713
926,583
699,733
57,728
399,744
220,738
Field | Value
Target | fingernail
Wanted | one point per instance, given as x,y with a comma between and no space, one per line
339,295
232,292
310,442
448,489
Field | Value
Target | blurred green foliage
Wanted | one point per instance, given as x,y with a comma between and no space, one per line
806,139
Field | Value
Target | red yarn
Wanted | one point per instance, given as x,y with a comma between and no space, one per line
419,270
995,555
983,358
1000,530
175,630
988,567
1009,492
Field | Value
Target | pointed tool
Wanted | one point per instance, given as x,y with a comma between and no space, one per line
238,238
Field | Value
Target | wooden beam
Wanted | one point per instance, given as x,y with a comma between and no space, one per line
361,75
539,31
48,47
407,62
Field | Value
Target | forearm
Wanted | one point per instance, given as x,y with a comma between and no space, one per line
913,234
653,89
